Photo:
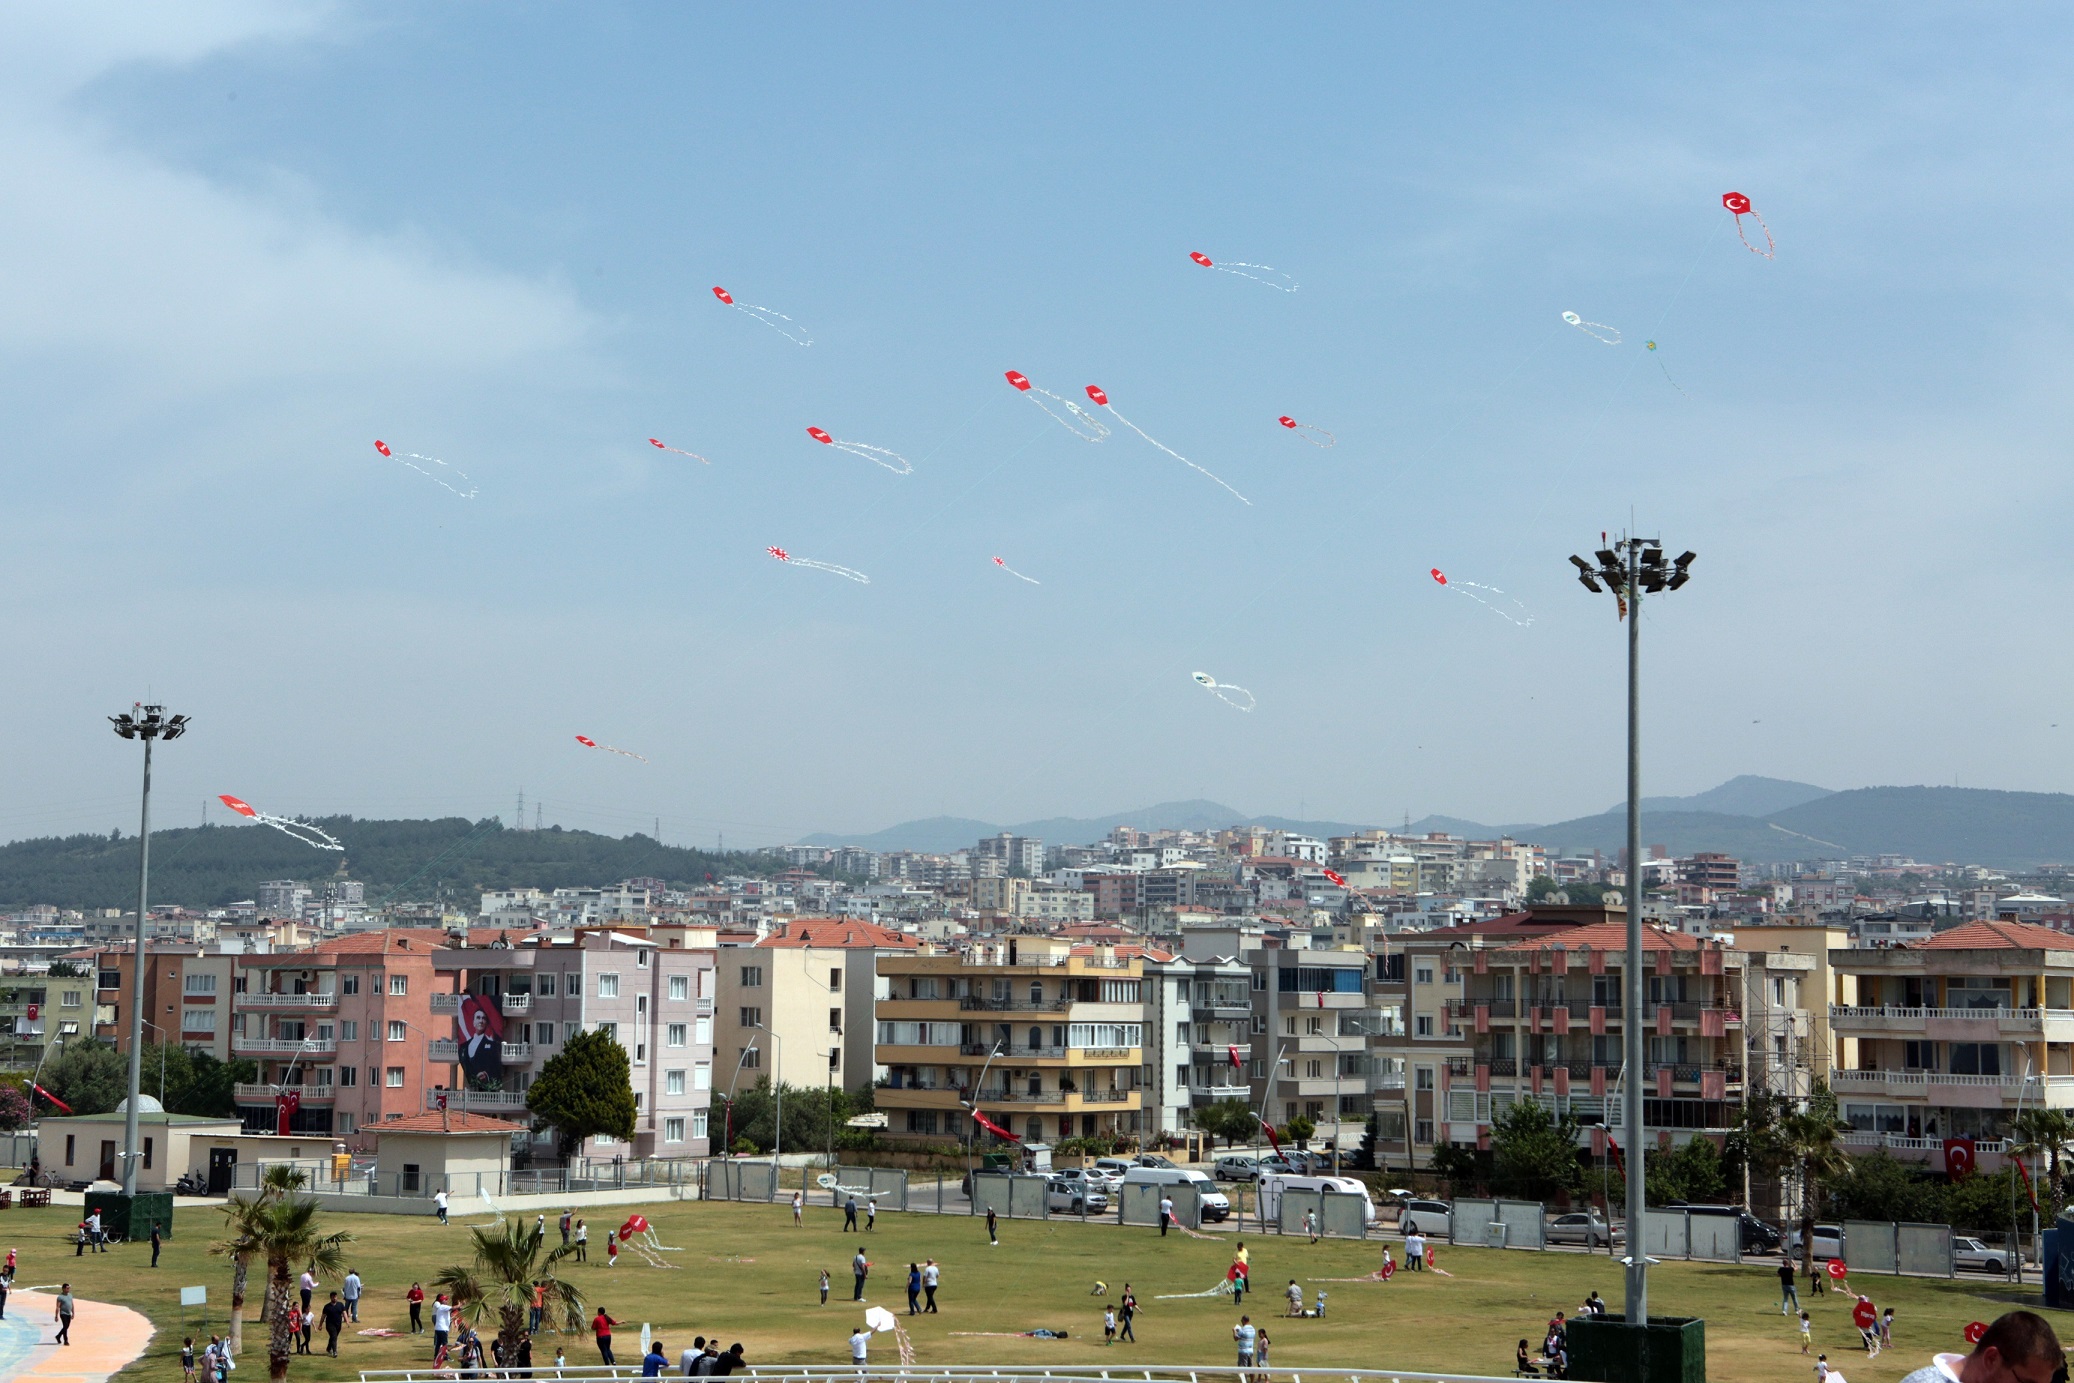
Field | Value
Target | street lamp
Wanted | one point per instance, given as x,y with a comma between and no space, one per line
728,1134
1338,1123
778,1092
145,723
1631,568
972,1128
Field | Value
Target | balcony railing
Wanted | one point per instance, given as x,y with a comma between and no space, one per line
259,1092
1106,1096
446,1003
1010,1053
285,1001
980,1003
1926,1078
1025,1097
1861,1013
516,1003
1863,1138
282,1046
517,1053
477,1099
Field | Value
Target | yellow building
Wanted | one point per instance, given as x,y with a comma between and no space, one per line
1050,1036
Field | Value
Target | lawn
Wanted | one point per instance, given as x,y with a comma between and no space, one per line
748,1275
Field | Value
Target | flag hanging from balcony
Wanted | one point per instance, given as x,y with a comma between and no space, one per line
1236,1064
991,1127
1269,1129
48,1096
2025,1173
285,1105
1958,1158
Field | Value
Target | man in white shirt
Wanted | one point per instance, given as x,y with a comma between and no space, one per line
2020,1347
351,1293
309,1288
442,1322
1166,1214
860,1348
931,1274
1415,1251
439,1204
1245,1333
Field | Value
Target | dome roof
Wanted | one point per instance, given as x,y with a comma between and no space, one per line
146,1104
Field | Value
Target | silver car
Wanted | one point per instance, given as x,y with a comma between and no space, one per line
1072,1197
1582,1228
1972,1253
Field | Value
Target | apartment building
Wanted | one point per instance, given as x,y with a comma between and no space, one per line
508,1005
1197,1014
38,1013
1546,1016
1068,1029
188,996
1313,1020
1945,1038
811,984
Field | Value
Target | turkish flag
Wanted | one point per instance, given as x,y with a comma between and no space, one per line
991,1127
1958,1158
2029,1190
1339,879
1618,1164
1269,1129
285,1105
1863,1315
1235,1063
48,1096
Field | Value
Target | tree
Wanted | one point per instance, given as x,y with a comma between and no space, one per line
1881,1187
1809,1137
584,1090
2043,1129
242,1225
14,1108
509,1261
1230,1119
1692,1173
281,1229
1301,1128
1463,1168
1534,1154
1755,1149
1371,1135
90,1076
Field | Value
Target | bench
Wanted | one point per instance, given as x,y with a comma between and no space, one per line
35,1195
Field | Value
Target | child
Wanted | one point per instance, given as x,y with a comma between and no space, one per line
187,1360
824,1286
1887,1328
560,1361
1260,1348
1108,1325
611,1248
1807,1332
1320,1312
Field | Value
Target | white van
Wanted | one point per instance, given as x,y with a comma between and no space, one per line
1272,1187
1213,1201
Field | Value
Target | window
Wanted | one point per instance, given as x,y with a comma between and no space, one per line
1422,974
673,1082
544,1034
676,1034
1260,1022
1917,1056
1259,979
70,1139
349,1030
349,984
70,998
1975,1058
835,1057
395,1078
1423,1078
199,984
1313,1070
374,1076
1100,1035
752,1058
1425,1130
680,987
698,1123
198,1020
108,979
410,1176
835,1020
702,1031
345,1122
751,1018
640,1059
397,1029
399,984
147,1154
1313,1026
610,1030
640,960
902,1033
69,1027
1423,1025
639,1102
572,985
349,1075
835,981
608,986
1289,1026
324,1032
702,1076
752,977
673,1130
921,1121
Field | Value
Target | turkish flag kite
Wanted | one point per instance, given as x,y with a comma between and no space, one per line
991,1127
1958,1158
1339,879
1837,1270
1974,1331
285,1105
1269,1129
1863,1315
48,1096
1236,1064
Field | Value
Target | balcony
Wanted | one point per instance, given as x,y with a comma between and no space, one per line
1210,1094
978,1003
1007,1053
517,1053
445,1003
1943,1087
516,1003
1024,1097
1218,1008
259,1092
503,1101
443,1049
1952,1024
286,1002
281,1046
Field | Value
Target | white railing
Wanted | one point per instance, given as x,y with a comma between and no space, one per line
477,1099
517,1052
893,1369
284,1001
1849,1012
1899,1143
445,1003
516,1003
283,1046
259,1092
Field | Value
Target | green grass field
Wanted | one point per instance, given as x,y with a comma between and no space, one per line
748,1275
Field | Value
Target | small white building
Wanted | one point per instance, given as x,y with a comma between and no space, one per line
455,1150
88,1147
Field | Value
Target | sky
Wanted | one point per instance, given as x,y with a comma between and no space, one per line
244,240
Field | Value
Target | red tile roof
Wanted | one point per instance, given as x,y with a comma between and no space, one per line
1611,936
840,933
414,940
1996,936
453,1121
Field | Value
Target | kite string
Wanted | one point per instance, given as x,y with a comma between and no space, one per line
1178,456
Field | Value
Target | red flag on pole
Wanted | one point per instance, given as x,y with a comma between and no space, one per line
285,1105
991,1127
1615,1147
2024,1172
1236,1064
1273,1141
48,1096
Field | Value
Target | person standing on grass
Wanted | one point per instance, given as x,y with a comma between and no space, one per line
334,1322
1260,1349
583,1239
187,1360
601,1326
65,1314
1887,1328
1310,1224
3,1298
1789,1295
824,1286
352,1294
930,1275
563,1225
1166,1213
309,1287
439,1203
154,1243
1129,1303
992,1237
1245,1335
1807,1332
416,1298
442,1323
1109,1325
871,1213
850,1214
538,1311
1415,1251
860,1348
860,1268
799,1202
914,1289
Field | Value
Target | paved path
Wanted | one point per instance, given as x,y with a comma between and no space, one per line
105,1337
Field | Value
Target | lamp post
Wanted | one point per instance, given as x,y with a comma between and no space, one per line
728,1134
778,1092
145,723
1631,568
1338,1123
972,1128
162,1045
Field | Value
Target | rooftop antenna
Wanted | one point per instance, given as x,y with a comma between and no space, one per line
518,823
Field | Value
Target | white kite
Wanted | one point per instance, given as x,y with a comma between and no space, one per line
301,830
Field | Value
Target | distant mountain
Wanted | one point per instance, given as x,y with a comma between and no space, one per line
2007,830
1747,795
1472,830
1681,833
942,834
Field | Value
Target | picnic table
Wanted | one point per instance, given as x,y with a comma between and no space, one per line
35,1195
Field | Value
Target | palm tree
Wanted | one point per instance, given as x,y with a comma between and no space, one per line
281,1228
1810,1138
2047,1130
240,1222
509,1261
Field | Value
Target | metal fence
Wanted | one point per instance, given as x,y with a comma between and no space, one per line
1499,1224
1339,1214
886,1185
1887,1246
364,1180
1139,1204
732,1180
1084,1373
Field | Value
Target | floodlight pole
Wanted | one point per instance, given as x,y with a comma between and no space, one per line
146,723
1631,1029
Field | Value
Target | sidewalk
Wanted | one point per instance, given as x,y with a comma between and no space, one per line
105,1338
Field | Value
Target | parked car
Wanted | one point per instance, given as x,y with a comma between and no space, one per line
1582,1228
1068,1194
1426,1217
1972,1253
1236,1166
1215,1204
1114,1168
1757,1236
1094,1178
1829,1243
1154,1160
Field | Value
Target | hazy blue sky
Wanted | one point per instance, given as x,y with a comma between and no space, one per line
242,241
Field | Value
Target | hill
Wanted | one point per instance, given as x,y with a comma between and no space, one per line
2008,830
942,834
210,866
1746,795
